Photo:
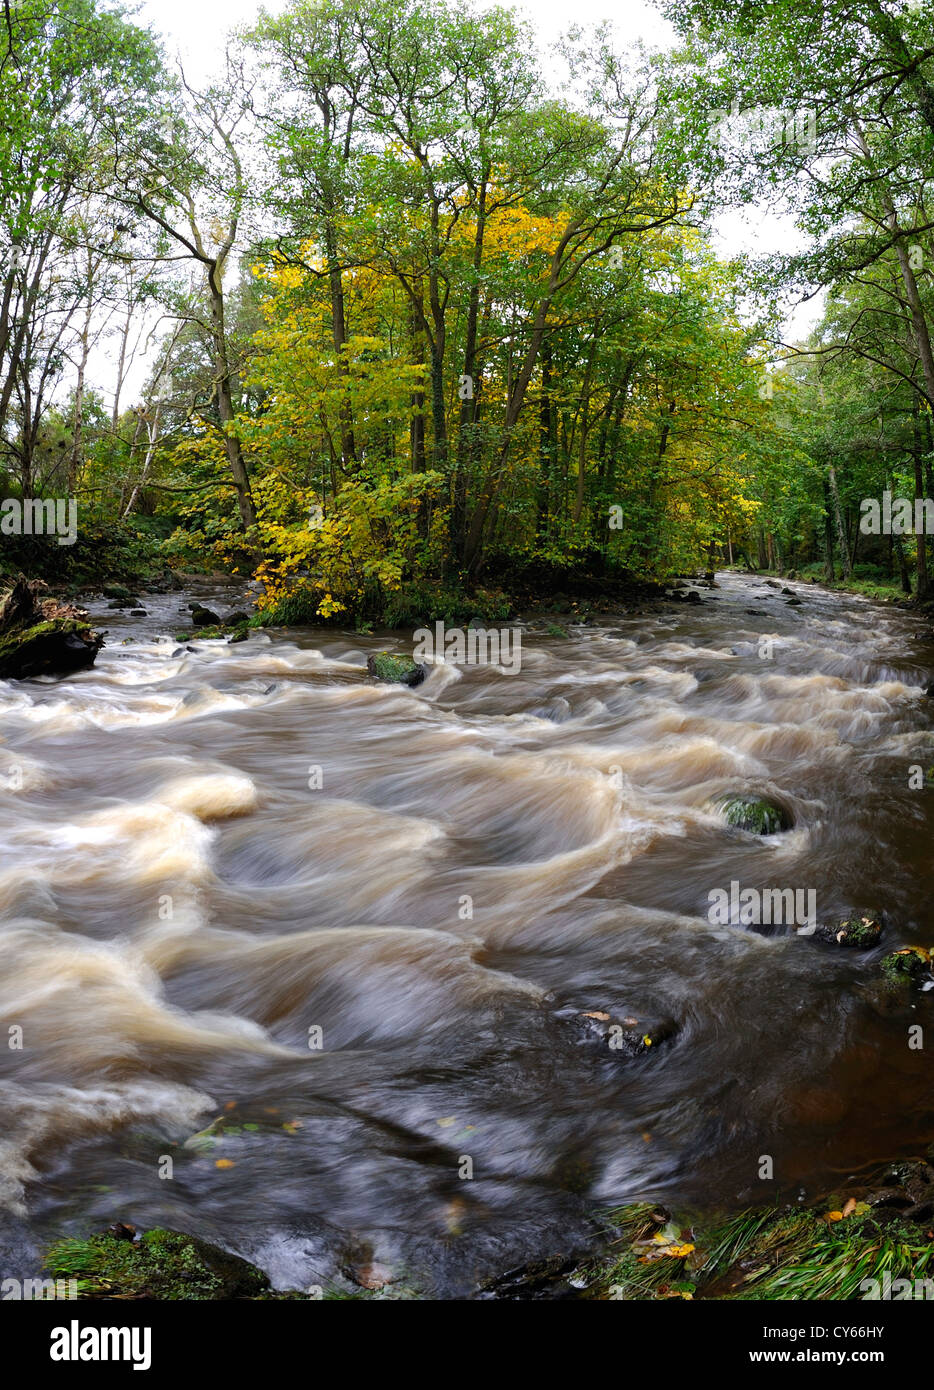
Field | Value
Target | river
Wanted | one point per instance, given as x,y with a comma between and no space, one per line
357,925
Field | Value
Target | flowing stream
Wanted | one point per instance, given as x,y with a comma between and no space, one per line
185,916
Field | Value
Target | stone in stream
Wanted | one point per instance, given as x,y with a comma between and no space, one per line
204,617
235,619
757,814
909,966
398,670
629,1036
138,613
861,929
793,603
692,596
42,636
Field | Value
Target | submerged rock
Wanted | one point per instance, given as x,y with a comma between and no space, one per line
400,670
41,636
757,814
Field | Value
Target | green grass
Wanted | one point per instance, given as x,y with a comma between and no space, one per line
763,1254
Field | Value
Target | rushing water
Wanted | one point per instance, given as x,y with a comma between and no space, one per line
179,908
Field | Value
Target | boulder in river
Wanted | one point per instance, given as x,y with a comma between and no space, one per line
861,929
42,636
758,814
204,617
398,670
909,966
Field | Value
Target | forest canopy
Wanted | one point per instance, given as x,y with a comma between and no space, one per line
422,318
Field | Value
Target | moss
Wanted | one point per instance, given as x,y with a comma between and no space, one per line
47,648
859,929
554,631
160,1264
398,669
755,813
906,967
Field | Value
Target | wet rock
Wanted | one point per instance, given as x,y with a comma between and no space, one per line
237,618
859,929
204,617
929,689
240,636
773,584
42,636
118,591
629,1036
758,814
909,966
120,603
786,590
398,670
692,596
793,603
138,613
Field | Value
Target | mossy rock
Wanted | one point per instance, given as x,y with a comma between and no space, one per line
400,670
862,930
756,814
205,617
52,648
908,966
555,631
117,591
160,1264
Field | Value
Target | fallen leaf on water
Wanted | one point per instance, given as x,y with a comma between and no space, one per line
603,1018
448,1121
373,1276
223,1163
